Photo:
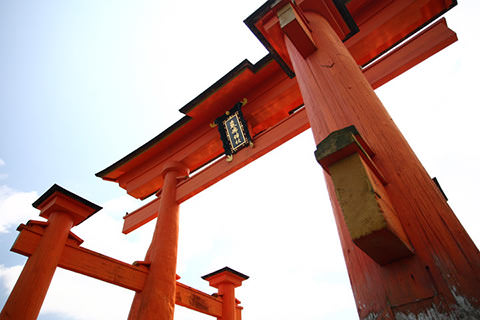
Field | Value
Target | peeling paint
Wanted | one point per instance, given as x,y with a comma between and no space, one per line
464,307
361,306
371,316
429,314
375,316
463,310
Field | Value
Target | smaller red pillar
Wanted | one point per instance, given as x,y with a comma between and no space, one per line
63,210
226,280
157,299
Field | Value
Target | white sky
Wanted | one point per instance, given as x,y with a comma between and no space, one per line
84,83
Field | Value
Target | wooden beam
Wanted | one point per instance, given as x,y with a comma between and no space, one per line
430,41
295,27
101,267
414,51
198,300
137,179
84,261
267,105
264,143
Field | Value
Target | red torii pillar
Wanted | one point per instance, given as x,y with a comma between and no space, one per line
435,272
157,299
63,210
51,244
226,280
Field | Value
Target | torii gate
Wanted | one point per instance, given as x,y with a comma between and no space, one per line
407,255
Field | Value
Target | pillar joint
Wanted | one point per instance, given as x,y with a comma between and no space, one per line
180,169
296,27
175,166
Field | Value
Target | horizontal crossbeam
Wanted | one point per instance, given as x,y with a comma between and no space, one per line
264,143
101,267
406,56
424,45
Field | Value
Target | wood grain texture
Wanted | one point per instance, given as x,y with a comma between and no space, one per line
336,95
104,268
388,67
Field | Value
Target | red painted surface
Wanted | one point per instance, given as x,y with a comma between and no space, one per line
31,288
264,143
271,94
158,295
81,260
93,264
226,282
422,46
227,291
295,26
440,279
382,24
442,276
413,52
63,210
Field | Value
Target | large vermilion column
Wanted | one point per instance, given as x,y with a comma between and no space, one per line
157,299
441,279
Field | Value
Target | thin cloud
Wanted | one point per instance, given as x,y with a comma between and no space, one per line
15,208
91,299
8,277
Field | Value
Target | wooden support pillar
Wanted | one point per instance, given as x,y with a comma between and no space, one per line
226,280
440,279
157,299
417,49
63,210
93,264
31,288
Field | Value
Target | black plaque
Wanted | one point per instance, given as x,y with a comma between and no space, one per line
233,130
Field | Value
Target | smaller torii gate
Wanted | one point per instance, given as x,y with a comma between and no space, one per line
51,244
